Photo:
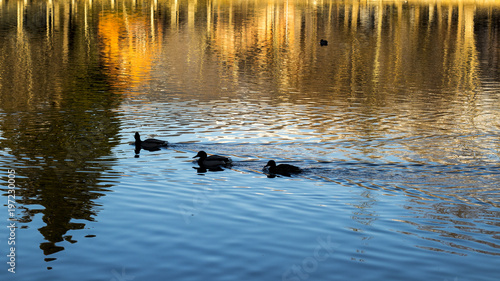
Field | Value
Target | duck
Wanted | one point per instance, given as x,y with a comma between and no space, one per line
281,169
148,144
323,42
212,160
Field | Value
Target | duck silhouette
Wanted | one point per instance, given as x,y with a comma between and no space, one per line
212,161
281,169
149,144
323,42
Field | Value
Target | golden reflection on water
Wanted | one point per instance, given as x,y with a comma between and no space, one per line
375,46
128,45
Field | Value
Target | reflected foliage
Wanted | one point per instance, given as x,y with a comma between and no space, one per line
57,120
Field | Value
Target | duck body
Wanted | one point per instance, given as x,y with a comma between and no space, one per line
149,144
323,42
282,169
212,160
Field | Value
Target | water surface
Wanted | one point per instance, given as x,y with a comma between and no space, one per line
395,123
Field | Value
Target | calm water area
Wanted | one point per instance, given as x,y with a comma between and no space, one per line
395,123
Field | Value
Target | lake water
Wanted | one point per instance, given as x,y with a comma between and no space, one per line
395,123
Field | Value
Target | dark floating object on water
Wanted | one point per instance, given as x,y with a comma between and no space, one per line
148,144
203,169
281,169
212,161
323,42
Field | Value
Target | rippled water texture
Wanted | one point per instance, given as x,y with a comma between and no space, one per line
395,124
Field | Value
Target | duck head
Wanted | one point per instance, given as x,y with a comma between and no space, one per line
270,164
201,154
